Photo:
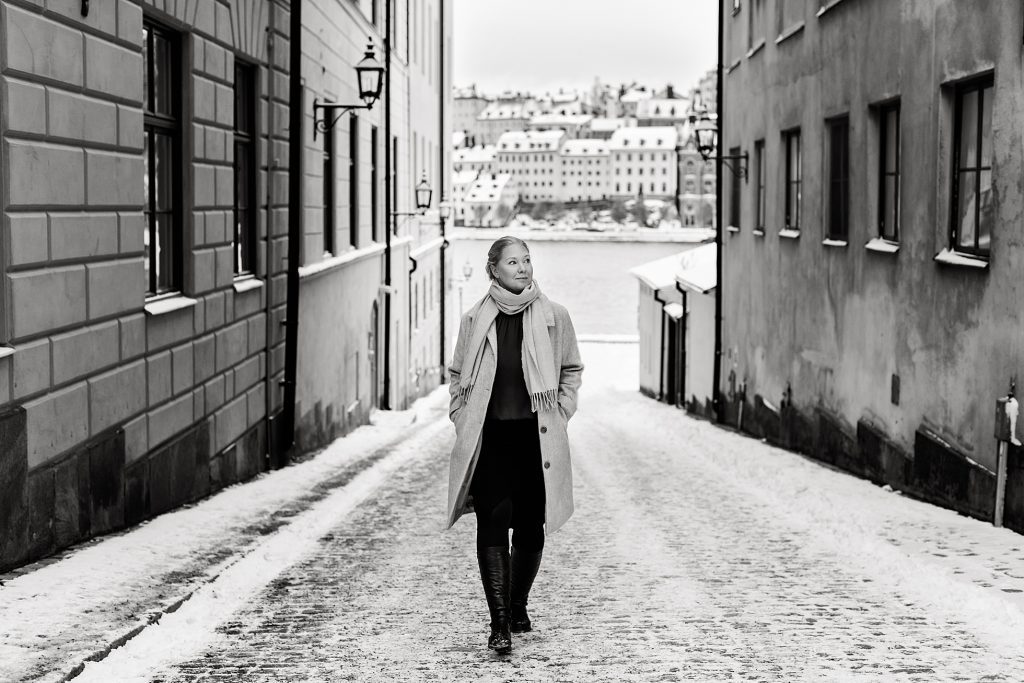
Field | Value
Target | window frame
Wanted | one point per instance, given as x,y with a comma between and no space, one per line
735,194
759,186
172,126
979,84
353,181
246,260
884,111
788,136
330,182
837,175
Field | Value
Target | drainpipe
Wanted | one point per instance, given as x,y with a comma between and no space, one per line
442,178
716,401
296,106
386,394
682,344
273,450
661,345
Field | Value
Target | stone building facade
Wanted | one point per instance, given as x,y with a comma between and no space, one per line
871,309
145,221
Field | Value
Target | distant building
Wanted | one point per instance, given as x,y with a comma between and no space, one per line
643,162
501,117
697,189
585,170
478,159
573,125
462,181
466,107
602,128
662,112
491,200
533,159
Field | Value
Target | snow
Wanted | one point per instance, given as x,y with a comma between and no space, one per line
697,268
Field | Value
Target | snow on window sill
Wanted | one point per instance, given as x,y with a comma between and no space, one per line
795,29
757,233
6,351
827,6
330,263
732,228
247,284
790,234
955,258
882,246
169,304
833,243
757,47
732,67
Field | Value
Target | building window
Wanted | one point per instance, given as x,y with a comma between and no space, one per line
353,181
759,196
889,173
972,216
794,176
374,198
735,190
838,159
329,185
245,168
162,150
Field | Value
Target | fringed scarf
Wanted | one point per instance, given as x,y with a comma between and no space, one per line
538,357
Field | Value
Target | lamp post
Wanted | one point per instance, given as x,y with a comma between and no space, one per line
368,75
467,272
705,127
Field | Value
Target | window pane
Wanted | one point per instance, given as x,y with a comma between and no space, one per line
966,210
146,104
986,127
987,215
146,253
164,161
889,207
147,171
969,129
161,75
164,253
892,141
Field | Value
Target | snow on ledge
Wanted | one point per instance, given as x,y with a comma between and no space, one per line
834,243
954,258
789,234
169,304
882,246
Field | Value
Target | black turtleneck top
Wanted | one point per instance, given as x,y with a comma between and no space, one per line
509,398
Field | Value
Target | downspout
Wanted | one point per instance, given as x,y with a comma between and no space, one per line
661,345
716,404
273,451
386,394
291,322
442,180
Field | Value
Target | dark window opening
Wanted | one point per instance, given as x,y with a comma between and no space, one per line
794,176
245,169
889,173
838,225
972,214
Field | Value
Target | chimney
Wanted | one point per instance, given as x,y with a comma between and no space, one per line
670,92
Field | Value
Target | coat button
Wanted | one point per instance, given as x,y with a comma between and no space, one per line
547,465
543,430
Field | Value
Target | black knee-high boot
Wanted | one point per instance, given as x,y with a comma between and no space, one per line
524,571
494,572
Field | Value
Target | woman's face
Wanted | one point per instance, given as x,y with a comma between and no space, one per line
514,271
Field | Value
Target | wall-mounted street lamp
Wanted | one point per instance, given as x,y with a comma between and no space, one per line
369,75
423,194
705,127
444,210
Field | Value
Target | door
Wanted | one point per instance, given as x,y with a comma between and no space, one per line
372,353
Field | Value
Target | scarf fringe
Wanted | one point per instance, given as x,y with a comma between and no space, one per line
544,400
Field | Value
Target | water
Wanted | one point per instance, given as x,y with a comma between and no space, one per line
591,279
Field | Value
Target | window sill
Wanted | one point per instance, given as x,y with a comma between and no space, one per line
827,7
790,234
732,228
6,351
757,233
247,284
732,67
794,30
834,243
755,48
334,262
954,258
168,304
882,246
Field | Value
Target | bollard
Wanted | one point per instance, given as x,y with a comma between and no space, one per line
1007,410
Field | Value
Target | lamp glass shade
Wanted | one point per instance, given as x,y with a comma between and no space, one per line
370,75
467,270
423,194
707,134
445,210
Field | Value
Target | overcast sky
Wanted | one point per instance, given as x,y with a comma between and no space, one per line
539,45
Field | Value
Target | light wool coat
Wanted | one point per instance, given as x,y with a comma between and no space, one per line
469,416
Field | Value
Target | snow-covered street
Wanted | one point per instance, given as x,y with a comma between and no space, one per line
694,554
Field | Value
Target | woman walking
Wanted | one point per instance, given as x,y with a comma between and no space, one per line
514,379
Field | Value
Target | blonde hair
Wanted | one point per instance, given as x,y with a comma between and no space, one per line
494,253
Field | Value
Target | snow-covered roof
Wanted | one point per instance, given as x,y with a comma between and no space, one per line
660,273
661,108
608,125
560,119
500,111
576,148
635,95
697,269
488,187
479,154
524,141
458,138
653,137
463,178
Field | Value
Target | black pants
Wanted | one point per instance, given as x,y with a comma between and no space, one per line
508,486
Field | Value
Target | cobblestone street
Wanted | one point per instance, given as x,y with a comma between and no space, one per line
694,554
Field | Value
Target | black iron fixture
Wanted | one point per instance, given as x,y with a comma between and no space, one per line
369,74
444,210
705,128
423,194
85,8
